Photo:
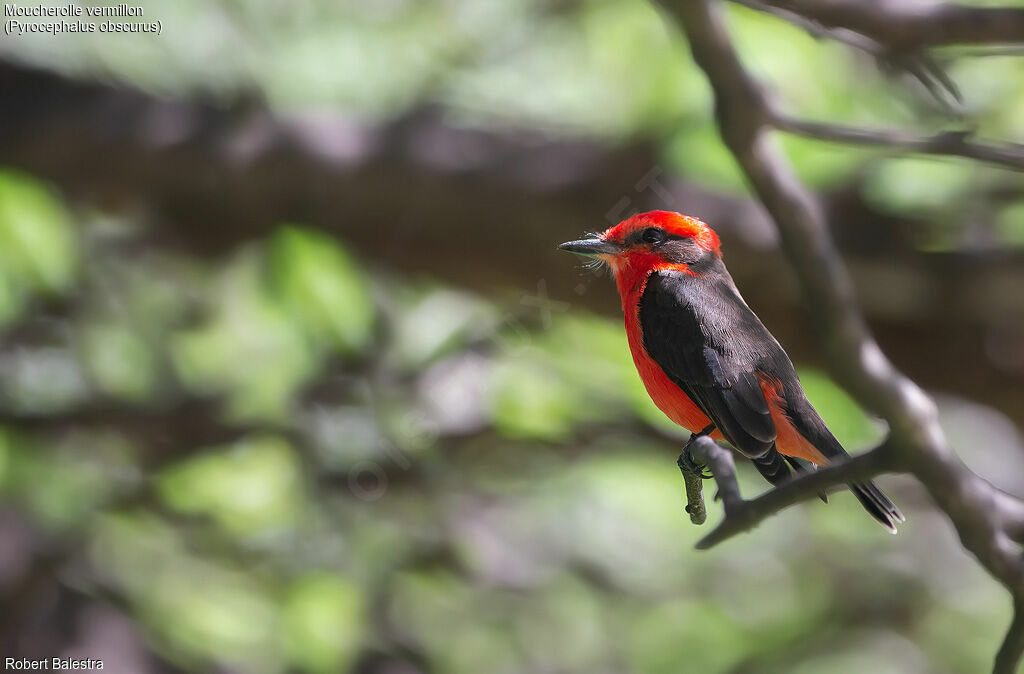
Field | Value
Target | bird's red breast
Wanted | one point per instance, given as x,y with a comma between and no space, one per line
668,397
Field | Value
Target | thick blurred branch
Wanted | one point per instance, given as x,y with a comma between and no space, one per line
183,165
210,177
168,429
986,519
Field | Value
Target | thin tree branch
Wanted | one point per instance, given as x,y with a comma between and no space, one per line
951,143
906,26
815,29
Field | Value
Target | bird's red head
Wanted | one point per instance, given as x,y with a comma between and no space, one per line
657,226
649,241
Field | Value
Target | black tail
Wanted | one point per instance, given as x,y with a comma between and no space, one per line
772,465
877,504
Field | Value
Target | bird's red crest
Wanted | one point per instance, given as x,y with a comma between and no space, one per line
672,223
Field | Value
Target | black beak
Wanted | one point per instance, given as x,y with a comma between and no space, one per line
591,247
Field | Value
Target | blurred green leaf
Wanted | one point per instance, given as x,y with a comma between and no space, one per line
37,243
620,54
322,287
323,623
249,348
822,165
249,488
63,483
36,239
201,610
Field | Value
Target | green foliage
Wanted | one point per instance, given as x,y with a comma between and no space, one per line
199,608
250,348
322,287
253,487
37,245
63,484
323,622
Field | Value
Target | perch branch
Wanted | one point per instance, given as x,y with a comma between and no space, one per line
742,515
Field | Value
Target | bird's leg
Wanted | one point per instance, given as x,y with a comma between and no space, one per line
686,462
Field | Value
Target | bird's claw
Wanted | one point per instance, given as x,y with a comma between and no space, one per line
687,463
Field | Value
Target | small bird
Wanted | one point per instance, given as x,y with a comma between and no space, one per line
705,358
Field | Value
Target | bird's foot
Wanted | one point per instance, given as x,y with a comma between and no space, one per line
688,464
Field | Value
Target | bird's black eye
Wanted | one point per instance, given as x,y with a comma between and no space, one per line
653,235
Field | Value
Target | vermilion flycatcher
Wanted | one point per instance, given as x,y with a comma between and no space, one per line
707,361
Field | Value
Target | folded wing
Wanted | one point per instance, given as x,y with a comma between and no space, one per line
722,380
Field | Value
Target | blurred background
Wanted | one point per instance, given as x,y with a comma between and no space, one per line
292,378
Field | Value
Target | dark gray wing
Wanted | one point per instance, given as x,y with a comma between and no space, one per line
686,324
